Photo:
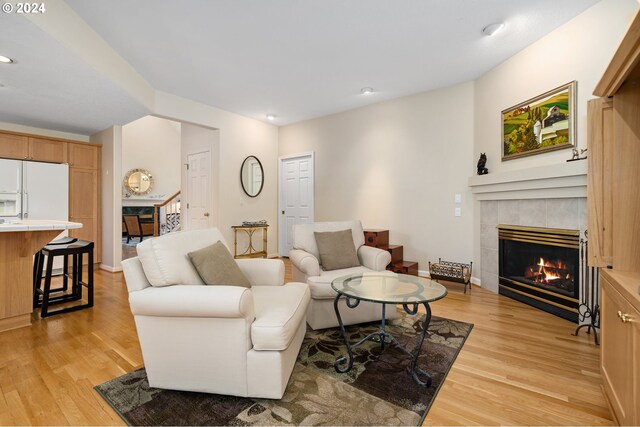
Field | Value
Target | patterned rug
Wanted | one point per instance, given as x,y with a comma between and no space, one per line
133,242
377,391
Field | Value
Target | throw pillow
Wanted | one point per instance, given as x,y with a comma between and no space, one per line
216,266
336,250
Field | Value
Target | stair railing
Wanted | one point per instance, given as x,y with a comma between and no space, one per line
166,216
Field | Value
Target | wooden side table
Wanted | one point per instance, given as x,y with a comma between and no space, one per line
251,251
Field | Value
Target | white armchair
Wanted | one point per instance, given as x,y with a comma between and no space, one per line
214,339
306,268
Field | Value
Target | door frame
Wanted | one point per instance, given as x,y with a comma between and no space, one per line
282,229
187,222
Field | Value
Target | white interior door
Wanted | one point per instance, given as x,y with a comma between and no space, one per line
198,190
296,197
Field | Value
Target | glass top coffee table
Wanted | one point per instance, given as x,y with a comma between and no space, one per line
385,287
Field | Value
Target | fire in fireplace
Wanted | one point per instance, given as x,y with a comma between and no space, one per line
540,267
550,274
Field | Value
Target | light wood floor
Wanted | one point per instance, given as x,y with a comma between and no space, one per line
519,365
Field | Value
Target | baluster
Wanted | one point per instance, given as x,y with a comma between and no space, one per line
156,222
167,215
170,216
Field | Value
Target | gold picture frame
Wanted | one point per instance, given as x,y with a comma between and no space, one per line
541,124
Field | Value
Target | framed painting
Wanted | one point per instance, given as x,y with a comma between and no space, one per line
541,124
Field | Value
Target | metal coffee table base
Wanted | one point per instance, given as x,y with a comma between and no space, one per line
344,364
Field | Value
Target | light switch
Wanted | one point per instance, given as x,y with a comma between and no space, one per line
458,198
457,212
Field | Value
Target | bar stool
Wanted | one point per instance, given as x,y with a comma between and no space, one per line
42,295
38,264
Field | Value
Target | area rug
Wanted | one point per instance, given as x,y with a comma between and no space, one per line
133,242
378,390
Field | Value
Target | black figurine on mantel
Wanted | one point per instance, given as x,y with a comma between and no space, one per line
481,162
575,156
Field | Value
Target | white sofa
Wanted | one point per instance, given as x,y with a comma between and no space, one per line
306,268
214,339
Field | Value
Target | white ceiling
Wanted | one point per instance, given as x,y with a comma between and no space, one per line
51,88
296,59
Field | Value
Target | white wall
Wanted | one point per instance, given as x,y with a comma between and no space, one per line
153,143
239,137
111,172
578,50
397,165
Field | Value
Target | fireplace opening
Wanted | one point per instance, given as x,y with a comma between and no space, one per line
540,267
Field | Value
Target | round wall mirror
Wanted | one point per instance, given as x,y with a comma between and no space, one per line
252,176
138,182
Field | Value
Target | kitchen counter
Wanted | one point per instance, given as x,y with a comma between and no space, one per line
19,241
37,225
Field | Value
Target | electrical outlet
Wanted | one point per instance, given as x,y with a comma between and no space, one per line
457,212
458,198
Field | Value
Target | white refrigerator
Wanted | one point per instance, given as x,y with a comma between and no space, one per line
10,190
34,190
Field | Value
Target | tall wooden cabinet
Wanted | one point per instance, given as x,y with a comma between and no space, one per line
84,176
614,223
84,192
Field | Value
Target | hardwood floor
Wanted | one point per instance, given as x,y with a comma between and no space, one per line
128,251
518,366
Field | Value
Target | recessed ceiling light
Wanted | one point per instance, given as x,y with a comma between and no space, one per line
366,90
271,117
5,59
491,29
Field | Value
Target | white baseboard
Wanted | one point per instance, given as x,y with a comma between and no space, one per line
110,268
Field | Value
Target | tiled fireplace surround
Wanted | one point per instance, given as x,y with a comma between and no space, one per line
567,213
552,196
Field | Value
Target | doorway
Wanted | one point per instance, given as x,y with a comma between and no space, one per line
295,196
150,173
165,148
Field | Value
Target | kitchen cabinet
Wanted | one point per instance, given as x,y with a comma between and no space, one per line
84,176
84,156
47,150
14,146
25,147
84,193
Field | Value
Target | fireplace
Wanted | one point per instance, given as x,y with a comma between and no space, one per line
540,267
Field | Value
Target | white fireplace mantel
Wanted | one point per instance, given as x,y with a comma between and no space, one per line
562,180
142,201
